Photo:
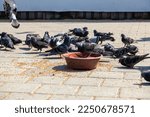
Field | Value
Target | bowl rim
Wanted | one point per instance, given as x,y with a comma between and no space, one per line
75,58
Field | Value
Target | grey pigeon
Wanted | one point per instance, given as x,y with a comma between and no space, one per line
130,61
38,43
127,40
54,42
6,41
28,39
15,40
109,47
80,32
119,52
146,75
132,49
46,37
61,49
96,33
85,46
106,38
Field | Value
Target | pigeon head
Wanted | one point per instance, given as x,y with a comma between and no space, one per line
46,32
120,60
122,35
85,28
95,32
3,34
65,35
110,33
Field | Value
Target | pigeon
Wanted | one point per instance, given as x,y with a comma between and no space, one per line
85,46
109,47
15,40
130,61
92,40
116,52
132,49
146,75
105,37
127,40
61,49
28,39
51,40
46,37
119,52
80,32
38,43
54,42
96,33
6,41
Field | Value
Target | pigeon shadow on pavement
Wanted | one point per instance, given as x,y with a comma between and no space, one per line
136,68
31,53
25,32
140,68
51,58
66,69
143,68
144,39
143,84
26,49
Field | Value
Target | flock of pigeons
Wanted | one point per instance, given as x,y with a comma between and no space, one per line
77,40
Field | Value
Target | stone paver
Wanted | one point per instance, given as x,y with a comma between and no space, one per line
69,97
3,95
110,75
19,87
26,96
132,76
13,79
52,80
135,93
98,91
56,89
25,75
121,83
84,81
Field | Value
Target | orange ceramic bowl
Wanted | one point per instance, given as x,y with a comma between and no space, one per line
81,61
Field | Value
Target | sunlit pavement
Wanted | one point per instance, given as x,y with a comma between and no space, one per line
25,75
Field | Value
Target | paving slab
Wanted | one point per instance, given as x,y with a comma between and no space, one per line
26,75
